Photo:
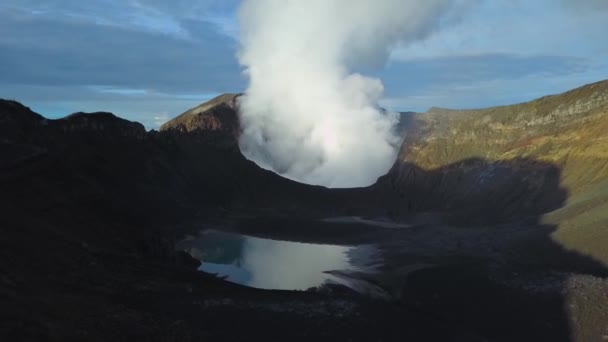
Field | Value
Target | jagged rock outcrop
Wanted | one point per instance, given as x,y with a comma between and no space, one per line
217,115
214,122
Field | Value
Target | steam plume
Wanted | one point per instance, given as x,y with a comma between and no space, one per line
306,114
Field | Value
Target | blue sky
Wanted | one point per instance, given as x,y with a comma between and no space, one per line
150,60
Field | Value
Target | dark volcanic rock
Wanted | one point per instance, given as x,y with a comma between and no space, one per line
16,121
92,206
476,191
106,124
89,225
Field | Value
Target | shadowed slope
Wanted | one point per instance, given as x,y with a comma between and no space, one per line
566,130
92,206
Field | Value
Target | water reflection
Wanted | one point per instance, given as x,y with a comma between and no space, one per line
271,264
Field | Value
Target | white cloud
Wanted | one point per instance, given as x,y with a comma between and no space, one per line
529,28
306,114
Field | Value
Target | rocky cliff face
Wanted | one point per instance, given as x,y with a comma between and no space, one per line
106,163
217,115
552,129
507,163
489,165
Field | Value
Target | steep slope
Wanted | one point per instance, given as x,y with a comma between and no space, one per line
478,161
99,164
217,115
553,128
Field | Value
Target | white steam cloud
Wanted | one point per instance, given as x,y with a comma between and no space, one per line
306,114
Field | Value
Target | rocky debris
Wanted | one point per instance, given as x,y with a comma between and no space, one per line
547,282
555,283
310,308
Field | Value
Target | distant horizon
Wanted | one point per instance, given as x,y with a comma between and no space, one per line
53,116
